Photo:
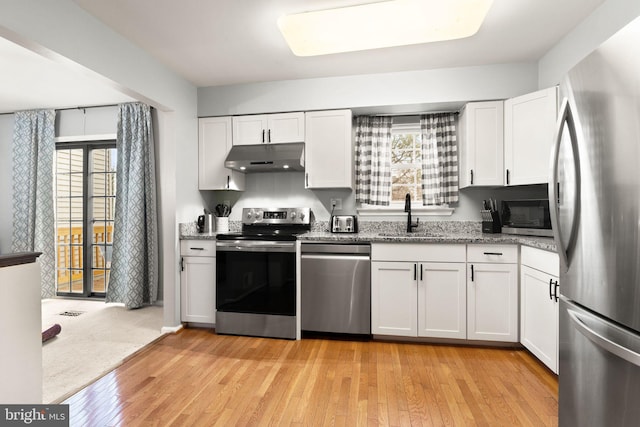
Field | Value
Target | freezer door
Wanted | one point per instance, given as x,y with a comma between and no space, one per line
596,184
599,370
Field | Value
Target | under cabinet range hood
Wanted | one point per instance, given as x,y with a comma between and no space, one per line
266,157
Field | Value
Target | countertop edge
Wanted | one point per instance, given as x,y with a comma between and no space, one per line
545,243
18,258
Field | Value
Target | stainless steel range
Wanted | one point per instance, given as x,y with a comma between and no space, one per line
256,273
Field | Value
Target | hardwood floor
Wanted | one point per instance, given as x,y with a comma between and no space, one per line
198,378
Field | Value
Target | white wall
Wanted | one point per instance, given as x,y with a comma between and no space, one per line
453,85
605,21
64,32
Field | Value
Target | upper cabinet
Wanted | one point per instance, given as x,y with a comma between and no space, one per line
529,127
329,149
214,143
268,128
481,145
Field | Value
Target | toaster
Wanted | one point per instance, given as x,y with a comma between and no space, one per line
344,224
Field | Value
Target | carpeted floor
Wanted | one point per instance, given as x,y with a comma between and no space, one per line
92,343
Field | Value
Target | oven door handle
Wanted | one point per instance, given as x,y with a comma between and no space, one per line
255,246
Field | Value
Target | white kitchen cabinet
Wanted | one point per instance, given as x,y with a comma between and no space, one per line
198,281
492,293
539,290
422,298
268,128
481,145
328,149
214,143
529,126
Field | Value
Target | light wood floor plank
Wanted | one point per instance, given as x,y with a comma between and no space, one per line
198,378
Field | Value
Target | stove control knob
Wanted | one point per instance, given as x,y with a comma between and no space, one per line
301,216
293,215
249,215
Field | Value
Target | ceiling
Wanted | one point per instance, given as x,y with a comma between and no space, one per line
226,42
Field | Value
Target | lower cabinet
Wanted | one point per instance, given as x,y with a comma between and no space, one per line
418,299
492,293
198,281
540,289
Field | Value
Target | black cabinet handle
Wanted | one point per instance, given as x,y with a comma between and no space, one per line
415,271
507,176
421,272
555,290
472,272
197,249
306,179
551,289
493,253
471,176
263,136
181,263
269,135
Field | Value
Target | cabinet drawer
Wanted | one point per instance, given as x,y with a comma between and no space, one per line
496,254
428,252
541,260
198,248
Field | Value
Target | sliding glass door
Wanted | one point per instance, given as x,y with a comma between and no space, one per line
85,188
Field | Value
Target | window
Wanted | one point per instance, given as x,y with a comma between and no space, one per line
85,188
406,166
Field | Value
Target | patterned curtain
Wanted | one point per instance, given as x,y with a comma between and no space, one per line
439,159
134,265
33,214
373,160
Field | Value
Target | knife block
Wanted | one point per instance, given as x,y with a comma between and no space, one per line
491,222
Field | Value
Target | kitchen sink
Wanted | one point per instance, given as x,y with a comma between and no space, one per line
416,234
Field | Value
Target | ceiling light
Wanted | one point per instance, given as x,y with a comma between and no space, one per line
285,166
381,24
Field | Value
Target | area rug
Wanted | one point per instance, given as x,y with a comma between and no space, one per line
91,343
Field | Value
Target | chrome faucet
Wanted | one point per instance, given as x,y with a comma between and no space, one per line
407,209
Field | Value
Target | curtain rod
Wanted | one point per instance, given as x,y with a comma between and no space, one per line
68,108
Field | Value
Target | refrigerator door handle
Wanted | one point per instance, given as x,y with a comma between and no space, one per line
607,343
566,116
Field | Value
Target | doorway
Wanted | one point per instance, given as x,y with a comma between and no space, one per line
84,194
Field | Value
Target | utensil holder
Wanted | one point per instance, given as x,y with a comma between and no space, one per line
491,222
222,224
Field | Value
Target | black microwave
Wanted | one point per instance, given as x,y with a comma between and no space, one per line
528,217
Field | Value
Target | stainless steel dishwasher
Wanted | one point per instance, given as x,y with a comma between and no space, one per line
336,288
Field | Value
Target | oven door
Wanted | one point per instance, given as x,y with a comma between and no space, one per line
256,277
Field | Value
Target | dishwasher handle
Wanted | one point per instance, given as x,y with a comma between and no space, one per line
333,257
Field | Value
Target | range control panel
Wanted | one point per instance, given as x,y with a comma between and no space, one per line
280,216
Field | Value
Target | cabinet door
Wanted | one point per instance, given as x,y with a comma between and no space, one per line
214,143
285,127
249,130
482,144
530,122
328,149
492,302
393,298
539,315
441,300
198,290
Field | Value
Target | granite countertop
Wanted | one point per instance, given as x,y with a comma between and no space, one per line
546,243
392,234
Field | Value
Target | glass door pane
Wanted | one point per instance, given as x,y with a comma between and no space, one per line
69,184
103,192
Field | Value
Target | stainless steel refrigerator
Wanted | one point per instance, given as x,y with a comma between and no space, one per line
595,196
